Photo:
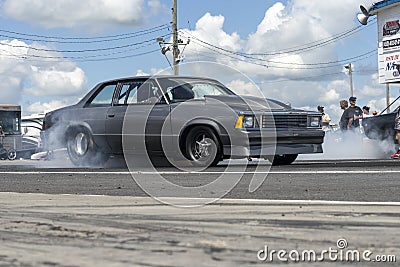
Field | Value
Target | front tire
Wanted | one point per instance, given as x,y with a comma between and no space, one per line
202,147
83,151
285,159
12,154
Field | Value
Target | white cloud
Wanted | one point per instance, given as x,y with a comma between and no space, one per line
39,107
154,71
377,105
156,6
274,17
23,74
54,82
370,91
284,26
93,14
141,73
209,29
329,96
12,88
290,28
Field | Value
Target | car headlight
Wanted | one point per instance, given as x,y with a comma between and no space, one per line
248,121
245,121
314,121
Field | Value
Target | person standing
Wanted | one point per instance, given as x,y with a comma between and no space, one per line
354,114
344,120
2,136
325,118
366,112
397,128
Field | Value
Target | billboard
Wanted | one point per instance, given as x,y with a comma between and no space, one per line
389,44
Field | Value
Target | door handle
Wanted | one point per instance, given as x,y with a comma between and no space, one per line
111,115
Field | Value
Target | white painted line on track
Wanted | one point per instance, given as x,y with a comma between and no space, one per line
236,200
315,202
292,202
203,172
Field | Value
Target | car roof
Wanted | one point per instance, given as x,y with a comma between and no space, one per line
158,77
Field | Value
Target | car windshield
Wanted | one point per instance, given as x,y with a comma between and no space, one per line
394,106
181,89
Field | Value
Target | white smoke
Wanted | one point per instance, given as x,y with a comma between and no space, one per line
352,145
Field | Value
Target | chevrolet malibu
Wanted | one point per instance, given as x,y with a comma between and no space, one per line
198,119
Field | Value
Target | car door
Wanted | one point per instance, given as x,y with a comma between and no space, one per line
95,110
139,112
115,117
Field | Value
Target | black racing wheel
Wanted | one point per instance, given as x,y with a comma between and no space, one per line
202,147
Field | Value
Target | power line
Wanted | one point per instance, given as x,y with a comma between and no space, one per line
326,63
290,65
121,57
301,78
88,56
35,58
315,44
87,38
84,42
81,50
311,46
232,56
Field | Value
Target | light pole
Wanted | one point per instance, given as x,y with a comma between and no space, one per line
348,66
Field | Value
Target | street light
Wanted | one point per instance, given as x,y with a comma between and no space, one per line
348,66
363,17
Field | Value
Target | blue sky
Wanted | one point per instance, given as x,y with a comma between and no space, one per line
307,42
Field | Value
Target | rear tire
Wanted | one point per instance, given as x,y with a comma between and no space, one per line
83,151
285,159
202,147
3,154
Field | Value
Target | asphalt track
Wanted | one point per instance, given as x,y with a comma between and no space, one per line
346,180
54,215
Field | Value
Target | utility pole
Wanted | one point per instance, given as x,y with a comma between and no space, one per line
387,98
175,49
176,42
348,66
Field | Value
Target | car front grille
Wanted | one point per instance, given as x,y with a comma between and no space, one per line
284,121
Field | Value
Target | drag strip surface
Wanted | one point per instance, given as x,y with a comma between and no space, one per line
364,180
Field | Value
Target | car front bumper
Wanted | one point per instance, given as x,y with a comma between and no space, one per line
259,143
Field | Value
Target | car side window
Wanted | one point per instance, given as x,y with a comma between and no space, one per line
202,89
180,93
131,96
148,93
128,93
138,92
122,95
104,96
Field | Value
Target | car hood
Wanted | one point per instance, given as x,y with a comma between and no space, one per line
240,103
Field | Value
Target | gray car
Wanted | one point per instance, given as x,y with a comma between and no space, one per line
196,119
